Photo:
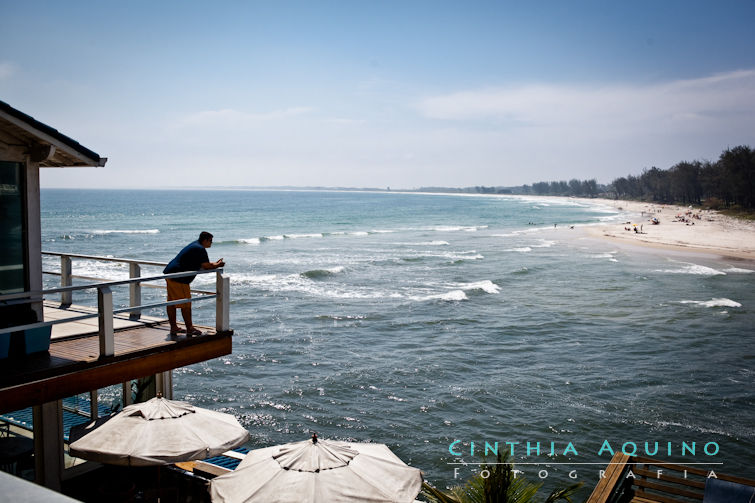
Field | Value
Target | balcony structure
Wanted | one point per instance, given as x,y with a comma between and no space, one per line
52,348
93,348
97,346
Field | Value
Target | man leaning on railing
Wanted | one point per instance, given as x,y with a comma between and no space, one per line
192,258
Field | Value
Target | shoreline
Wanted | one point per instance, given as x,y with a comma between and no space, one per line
702,231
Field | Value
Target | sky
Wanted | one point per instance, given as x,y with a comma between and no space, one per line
401,94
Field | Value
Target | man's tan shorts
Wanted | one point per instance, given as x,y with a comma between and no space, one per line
178,291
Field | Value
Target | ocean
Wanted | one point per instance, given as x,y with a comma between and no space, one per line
438,323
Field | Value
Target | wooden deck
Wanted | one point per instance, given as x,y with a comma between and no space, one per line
73,365
54,311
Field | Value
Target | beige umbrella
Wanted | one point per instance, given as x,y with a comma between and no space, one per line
159,432
319,471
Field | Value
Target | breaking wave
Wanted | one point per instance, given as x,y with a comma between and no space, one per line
452,296
737,270
486,286
688,268
713,303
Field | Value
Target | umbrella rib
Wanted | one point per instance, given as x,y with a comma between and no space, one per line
201,440
387,496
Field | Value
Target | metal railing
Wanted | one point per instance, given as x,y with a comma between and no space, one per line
105,309
134,270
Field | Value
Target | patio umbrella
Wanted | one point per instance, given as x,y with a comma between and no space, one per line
319,471
159,432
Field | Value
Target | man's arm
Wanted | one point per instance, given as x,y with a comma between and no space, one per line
213,265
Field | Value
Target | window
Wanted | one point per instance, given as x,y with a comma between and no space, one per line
12,228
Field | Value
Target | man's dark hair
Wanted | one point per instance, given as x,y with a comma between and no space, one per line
204,236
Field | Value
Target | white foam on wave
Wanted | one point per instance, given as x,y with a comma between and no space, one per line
544,243
608,255
456,257
689,268
460,256
486,286
126,231
303,284
457,228
249,241
737,270
602,255
451,296
302,236
529,230
523,249
533,229
298,283
426,243
254,278
721,302
99,269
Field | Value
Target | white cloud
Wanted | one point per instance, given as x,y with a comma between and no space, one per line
548,131
684,104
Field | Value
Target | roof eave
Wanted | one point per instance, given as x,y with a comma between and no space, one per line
80,156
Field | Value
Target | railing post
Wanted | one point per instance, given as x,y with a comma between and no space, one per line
164,384
105,315
66,298
222,303
134,290
126,392
94,408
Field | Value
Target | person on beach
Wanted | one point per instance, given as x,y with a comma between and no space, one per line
193,257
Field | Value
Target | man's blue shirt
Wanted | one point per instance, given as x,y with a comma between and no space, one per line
190,258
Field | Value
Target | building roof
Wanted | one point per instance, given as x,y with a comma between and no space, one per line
44,144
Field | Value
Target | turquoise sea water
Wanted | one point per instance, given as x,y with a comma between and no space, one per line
418,320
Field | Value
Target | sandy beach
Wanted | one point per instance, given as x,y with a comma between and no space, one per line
680,228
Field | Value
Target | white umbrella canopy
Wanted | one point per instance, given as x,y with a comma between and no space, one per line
319,471
159,432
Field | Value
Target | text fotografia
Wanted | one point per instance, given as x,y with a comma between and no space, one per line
654,448
543,474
